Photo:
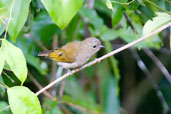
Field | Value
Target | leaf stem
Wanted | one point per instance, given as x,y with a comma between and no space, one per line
12,5
153,4
4,85
127,3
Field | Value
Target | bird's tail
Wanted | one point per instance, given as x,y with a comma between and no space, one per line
45,53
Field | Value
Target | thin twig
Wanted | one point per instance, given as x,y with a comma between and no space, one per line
37,42
40,87
61,90
129,22
54,65
82,108
127,3
98,89
153,4
159,64
155,86
105,56
8,77
12,5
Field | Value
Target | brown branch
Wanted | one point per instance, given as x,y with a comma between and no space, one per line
36,83
37,42
87,111
129,22
54,65
159,64
143,67
104,57
98,90
61,89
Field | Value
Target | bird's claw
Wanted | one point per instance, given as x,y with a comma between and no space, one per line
96,59
70,72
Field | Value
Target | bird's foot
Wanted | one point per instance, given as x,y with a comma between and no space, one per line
70,72
96,59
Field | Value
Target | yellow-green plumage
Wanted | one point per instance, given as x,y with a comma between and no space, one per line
74,54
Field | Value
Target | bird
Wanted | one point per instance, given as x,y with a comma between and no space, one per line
74,54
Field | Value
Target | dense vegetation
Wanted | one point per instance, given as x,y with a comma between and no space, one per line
134,81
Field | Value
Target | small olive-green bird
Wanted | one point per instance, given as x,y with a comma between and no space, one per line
74,54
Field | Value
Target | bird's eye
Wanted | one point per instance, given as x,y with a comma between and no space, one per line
60,54
94,46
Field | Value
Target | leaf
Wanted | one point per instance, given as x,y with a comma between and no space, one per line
109,34
4,108
109,4
18,17
117,14
47,29
15,59
2,61
23,101
62,11
51,107
156,22
36,64
3,15
112,106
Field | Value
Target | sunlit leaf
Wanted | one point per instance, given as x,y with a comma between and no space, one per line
23,101
15,59
109,4
62,11
156,22
2,61
18,17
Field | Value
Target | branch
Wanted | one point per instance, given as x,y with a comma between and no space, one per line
159,64
143,67
40,87
104,57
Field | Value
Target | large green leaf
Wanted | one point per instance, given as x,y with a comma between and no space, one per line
15,59
4,7
156,22
18,17
109,34
62,11
117,14
23,101
2,61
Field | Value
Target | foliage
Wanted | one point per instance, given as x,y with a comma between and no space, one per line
28,27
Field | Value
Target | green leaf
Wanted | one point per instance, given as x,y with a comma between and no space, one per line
51,107
156,22
3,16
109,34
117,14
4,109
18,17
62,11
15,59
23,101
36,64
2,61
109,4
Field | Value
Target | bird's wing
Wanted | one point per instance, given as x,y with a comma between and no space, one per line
61,55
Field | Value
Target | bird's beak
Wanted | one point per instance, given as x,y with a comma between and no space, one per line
101,46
